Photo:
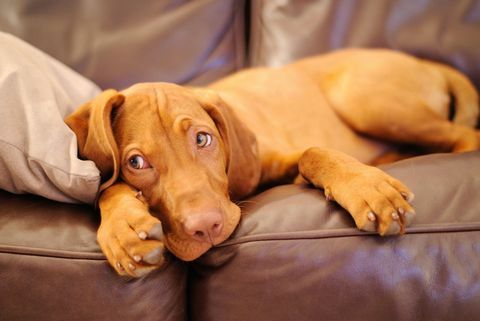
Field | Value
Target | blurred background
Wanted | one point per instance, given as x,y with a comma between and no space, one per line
117,43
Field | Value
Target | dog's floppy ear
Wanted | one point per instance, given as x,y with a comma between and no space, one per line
243,162
92,123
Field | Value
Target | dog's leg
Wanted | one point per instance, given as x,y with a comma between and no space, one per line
129,235
390,157
408,121
279,168
397,155
377,201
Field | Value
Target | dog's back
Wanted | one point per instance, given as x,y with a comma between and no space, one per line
287,111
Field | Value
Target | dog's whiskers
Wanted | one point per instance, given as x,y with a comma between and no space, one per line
242,204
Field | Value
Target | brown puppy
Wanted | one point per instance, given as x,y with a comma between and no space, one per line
183,154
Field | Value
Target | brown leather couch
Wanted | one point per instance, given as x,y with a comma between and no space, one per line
294,255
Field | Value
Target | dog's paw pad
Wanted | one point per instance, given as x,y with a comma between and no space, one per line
408,217
393,228
131,252
368,223
156,232
154,257
377,201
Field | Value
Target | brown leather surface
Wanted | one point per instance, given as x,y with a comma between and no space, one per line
296,257
51,268
30,223
447,31
119,43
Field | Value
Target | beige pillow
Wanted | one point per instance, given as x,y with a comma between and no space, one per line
38,152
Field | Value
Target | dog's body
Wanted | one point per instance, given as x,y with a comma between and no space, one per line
182,153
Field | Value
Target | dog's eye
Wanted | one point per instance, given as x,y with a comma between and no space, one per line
138,162
203,139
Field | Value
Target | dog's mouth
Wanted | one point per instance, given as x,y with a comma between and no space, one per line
184,249
188,248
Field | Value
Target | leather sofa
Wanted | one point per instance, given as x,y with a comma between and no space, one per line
294,256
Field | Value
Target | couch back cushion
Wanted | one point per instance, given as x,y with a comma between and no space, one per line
446,31
119,43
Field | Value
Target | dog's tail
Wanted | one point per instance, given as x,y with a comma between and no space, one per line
465,96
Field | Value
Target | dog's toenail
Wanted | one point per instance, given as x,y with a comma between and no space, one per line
137,258
395,216
142,235
408,197
139,194
119,266
401,210
131,267
371,217
328,194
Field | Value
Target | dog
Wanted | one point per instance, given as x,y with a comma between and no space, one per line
174,159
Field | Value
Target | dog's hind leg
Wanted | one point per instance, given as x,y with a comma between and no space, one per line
393,156
408,121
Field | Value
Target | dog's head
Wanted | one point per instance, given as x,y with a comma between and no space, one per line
183,148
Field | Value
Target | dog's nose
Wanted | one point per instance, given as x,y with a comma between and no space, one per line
205,226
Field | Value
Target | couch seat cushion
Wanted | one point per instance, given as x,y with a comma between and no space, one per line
297,257
51,268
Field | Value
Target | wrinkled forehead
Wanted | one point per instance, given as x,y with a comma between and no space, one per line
154,110
168,100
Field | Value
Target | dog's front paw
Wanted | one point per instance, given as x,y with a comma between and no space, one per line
376,201
131,239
